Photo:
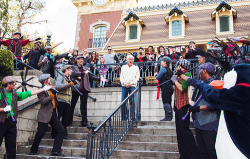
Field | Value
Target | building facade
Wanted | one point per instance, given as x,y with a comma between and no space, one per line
177,24
96,21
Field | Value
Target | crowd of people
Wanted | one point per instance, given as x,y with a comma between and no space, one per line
75,75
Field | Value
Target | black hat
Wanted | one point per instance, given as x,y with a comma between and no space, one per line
172,46
203,53
150,46
161,46
166,59
17,33
191,42
141,48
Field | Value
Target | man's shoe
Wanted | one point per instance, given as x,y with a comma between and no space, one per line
85,124
56,154
165,119
32,153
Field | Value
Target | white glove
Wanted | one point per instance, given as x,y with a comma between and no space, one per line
7,108
103,79
87,71
46,88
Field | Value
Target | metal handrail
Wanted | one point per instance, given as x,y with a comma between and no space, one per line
104,138
114,111
31,104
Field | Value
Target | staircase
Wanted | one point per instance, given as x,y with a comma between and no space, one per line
146,140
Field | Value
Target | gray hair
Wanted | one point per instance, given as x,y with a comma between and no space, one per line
130,56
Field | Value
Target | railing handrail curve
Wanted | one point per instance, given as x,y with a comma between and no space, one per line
114,111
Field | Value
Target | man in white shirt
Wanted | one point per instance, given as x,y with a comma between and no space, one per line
129,77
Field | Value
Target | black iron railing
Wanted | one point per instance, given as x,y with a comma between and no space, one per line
103,139
147,71
97,42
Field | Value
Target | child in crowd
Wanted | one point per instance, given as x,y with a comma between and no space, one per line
102,71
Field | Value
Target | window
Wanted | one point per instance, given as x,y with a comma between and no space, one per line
224,23
133,32
176,28
99,39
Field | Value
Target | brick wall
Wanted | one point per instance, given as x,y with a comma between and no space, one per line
86,20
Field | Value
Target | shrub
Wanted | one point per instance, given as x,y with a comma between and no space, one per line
6,64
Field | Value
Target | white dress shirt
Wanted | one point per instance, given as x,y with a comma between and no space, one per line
129,75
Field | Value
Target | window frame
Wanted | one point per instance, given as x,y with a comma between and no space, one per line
180,29
228,18
94,34
130,31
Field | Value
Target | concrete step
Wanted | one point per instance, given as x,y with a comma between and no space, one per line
24,156
71,136
135,154
128,137
66,143
154,131
155,123
46,150
150,138
139,130
78,123
149,146
123,145
74,129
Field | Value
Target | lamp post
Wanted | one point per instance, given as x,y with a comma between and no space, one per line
49,33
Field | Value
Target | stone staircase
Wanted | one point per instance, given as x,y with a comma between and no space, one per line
146,140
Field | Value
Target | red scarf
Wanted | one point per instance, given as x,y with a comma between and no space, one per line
158,92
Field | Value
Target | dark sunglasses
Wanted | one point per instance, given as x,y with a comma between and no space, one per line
109,49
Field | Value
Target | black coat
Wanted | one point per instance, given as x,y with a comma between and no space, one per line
236,105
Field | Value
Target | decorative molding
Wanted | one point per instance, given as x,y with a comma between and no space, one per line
179,5
99,22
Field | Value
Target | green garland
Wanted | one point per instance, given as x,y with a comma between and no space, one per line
178,11
131,14
6,64
223,4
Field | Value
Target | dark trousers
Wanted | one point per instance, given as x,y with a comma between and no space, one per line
166,99
185,138
83,105
41,130
110,75
63,111
206,143
125,93
8,131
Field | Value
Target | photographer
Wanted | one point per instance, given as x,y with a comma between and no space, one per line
192,51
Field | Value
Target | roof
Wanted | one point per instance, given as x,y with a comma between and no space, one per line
200,27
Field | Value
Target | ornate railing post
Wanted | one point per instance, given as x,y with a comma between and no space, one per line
139,100
90,140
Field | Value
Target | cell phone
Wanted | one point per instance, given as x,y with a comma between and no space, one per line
140,53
